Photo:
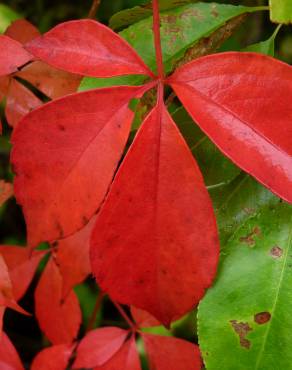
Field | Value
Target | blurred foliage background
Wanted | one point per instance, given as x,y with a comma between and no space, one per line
45,14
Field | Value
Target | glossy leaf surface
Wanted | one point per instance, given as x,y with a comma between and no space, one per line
171,353
97,50
248,307
99,346
159,191
53,358
220,106
12,56
58,318
9,359
90,129
181,29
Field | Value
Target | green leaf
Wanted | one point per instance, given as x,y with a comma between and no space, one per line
266,47
181,29
7,16
245,320
127,17
216,168
236,202
281,11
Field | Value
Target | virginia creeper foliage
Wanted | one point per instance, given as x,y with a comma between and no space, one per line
135,213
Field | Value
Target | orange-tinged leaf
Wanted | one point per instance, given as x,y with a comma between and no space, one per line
126,358
9,359
242,101
168,353
59,319
73,257
65,154
53,358
22,31
12,55
99,346
21,265
51,81
155,242
6,191
19,102
88,48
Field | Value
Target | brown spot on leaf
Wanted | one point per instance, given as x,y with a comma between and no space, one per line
249,238
242,329
61,127
276,252
262,317
214,11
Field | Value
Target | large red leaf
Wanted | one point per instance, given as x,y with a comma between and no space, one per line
51,81
53,358
73,257
65,154
243,103
168,353
9,359
22,31
98,346
88,48
12,55
125,359
19,102
21,265
159,215
59,319
6,191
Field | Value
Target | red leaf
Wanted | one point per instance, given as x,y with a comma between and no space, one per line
242,101
53,358
73,257
78,141
22,31
59,319
125,359
6,191
88,48
6,295
159,215
19,102
12,55
4,84
143,318
171,353
9,359
21,265
51,81
98,346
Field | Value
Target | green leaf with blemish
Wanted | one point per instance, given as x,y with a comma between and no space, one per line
216,168
7,16
238,319
181,29
127,17
281,11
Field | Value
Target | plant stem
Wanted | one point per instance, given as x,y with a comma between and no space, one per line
125,316
157,39
93,9
94,312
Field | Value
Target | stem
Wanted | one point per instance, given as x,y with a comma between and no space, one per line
95,311
157,39
125,316
93,9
